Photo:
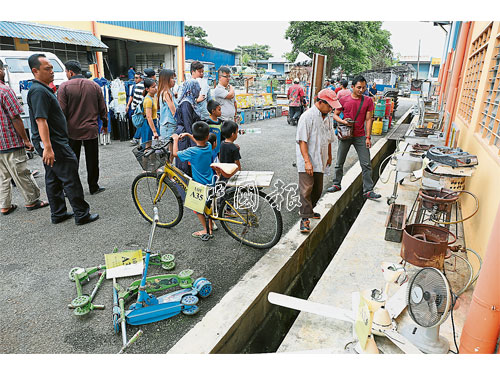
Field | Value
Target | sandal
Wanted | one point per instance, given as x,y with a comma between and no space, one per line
38,204
202,236
11,209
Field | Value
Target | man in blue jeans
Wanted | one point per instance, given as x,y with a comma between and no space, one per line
360,110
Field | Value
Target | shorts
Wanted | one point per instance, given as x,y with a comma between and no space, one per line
166,130
146,132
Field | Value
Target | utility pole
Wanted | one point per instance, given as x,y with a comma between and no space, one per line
418,58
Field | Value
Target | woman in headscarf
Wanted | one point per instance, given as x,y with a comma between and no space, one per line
186,115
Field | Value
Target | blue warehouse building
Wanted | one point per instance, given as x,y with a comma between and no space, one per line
218,56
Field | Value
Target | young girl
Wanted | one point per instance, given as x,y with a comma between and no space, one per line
150,129
167,104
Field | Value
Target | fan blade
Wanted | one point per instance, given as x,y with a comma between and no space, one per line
310,307
402,342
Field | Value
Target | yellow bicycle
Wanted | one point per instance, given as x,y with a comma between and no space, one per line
259,226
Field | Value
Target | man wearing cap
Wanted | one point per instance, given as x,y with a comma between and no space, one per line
295,97
314,153
82,102
360,109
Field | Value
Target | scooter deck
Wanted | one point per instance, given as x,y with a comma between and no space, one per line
159,282
153,313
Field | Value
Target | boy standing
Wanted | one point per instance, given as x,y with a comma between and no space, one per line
214,122
229,151
200,157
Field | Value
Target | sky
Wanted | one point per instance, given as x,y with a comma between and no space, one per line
404,36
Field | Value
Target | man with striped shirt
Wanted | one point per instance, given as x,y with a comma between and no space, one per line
134,100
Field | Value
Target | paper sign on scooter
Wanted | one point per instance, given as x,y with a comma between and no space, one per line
123,264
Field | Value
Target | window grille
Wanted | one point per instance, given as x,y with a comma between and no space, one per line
473,75
488,125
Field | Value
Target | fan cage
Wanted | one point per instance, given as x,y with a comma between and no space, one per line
434,305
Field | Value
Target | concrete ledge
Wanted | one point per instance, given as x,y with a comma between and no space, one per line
230,325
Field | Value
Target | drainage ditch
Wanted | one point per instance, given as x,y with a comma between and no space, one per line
269,335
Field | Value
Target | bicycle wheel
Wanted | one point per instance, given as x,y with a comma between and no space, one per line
263,225
170,208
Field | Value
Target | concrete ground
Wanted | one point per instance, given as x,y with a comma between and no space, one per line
37,256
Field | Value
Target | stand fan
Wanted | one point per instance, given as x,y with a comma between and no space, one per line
429,301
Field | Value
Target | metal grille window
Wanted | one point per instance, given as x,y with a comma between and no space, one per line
7,43
150,60
473,75
65,52
490,115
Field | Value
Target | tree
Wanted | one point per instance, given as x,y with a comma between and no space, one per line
255,51
354,46
197,34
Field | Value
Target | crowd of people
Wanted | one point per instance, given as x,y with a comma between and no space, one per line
201,125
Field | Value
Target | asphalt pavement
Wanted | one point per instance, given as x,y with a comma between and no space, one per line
36,256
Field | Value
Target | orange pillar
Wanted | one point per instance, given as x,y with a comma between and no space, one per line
482,326
457,68
99,66
442,90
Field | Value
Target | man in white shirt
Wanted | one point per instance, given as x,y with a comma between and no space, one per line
225,95
309,150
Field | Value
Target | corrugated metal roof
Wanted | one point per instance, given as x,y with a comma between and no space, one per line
174,28
34,31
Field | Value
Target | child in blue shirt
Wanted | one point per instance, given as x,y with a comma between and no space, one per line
200,157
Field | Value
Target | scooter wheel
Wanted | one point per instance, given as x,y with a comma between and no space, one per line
203,286
168,266
185,274
167,258
80,301
80,311
190,310
73,272
189,300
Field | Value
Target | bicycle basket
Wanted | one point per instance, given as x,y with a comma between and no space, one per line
151,162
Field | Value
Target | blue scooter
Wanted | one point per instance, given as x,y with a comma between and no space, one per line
149,309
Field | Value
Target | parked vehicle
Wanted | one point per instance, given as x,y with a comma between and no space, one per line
17,68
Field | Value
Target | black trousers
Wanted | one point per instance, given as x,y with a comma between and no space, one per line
91,147
63,176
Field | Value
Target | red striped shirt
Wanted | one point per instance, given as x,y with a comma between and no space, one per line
9,108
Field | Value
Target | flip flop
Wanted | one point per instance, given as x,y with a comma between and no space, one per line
202,236
11,209
38,204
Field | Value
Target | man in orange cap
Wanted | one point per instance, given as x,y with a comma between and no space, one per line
314,136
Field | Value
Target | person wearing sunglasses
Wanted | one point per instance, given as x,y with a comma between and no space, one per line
225,95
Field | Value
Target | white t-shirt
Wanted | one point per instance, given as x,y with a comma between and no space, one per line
227,105
318,133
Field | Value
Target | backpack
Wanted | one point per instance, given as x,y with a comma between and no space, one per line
138,116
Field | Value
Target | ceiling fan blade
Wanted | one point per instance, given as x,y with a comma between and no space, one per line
402,342
311,307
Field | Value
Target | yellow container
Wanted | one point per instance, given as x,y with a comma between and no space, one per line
377,127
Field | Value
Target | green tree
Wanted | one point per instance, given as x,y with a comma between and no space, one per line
255,51
197,34
354,46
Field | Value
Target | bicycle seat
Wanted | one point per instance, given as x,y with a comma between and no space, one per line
226,169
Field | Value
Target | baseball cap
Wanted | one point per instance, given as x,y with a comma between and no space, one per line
329,96
296,80
148,72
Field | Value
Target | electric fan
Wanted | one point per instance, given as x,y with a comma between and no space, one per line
429,301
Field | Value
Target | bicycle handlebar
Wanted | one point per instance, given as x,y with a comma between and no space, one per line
159,146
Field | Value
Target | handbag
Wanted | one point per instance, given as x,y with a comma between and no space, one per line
345,131
138,116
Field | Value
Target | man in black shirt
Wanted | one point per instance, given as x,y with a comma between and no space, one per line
50,138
